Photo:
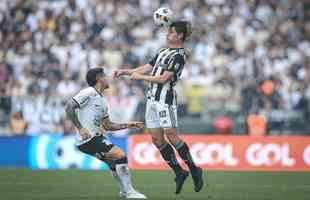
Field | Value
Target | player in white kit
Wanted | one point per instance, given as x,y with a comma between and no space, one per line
88,110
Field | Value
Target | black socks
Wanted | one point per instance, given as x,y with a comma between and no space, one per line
184,153
168,154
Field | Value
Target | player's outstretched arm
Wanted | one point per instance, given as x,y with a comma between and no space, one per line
141,70
71,114
111,126
161,79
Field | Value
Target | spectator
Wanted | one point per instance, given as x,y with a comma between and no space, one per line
18,124
303,105
5,106
195,102
233,41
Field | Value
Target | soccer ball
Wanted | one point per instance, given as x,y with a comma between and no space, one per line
163,17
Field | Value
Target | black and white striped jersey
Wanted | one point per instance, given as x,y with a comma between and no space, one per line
170,59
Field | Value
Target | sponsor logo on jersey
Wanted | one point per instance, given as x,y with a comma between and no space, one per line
162,114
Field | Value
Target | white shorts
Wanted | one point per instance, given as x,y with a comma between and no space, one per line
159,115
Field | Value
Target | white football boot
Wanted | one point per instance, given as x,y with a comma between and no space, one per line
122,195
133,194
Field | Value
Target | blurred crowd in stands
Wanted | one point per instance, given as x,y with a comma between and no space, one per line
244,56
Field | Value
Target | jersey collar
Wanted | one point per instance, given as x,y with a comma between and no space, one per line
97,91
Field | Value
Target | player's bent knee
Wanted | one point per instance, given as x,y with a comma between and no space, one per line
172,136
115,153
119,153
157,141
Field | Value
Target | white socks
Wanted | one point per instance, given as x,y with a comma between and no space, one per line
124,177
118,180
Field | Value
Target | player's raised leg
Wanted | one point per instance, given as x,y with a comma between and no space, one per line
167,152
115,157
184,153
117,178
122,173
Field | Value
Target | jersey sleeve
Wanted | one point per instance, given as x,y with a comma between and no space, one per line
176,63
83,97
153,60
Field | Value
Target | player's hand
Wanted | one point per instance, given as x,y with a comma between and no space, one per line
84,134
120,72
135,125
117,73
135,76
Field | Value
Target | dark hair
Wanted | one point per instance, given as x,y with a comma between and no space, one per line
182,26
91,76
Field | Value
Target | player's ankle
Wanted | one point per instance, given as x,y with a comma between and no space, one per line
178,170
194,170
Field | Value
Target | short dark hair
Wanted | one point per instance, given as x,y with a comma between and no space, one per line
91,76
182,26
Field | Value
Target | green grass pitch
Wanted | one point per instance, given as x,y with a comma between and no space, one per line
25,184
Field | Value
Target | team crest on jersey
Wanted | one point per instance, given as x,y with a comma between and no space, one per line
162,114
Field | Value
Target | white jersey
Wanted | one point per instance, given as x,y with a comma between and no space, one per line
93,108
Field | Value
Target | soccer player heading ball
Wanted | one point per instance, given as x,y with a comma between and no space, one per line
162,74
88,110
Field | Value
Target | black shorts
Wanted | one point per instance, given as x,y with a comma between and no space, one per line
97,146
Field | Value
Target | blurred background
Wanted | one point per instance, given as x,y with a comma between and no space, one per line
248,70
247,77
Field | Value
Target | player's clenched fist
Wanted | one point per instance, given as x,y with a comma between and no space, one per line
120,72
84,134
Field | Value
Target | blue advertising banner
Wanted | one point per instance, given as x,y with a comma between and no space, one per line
50,152
14,151
60,152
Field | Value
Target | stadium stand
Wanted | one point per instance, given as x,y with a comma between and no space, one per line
245,57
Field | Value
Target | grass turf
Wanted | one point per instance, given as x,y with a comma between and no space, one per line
25,184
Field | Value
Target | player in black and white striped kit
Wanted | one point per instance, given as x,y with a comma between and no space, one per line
165,70
168,59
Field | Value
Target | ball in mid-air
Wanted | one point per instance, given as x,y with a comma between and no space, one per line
163,17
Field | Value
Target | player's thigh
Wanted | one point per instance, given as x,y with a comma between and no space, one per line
172,135
169,122
157,135
98,146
